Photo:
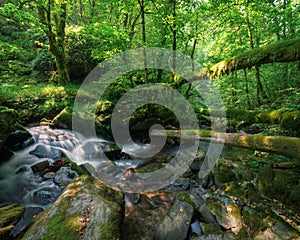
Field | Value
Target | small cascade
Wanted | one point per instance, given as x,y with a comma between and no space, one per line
21,177
26,178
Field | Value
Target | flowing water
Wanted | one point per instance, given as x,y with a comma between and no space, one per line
20,183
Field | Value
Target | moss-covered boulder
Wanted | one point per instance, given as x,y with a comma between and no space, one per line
8,121
9,216
87,209
291,120
12,134
227,213
279,184
224,172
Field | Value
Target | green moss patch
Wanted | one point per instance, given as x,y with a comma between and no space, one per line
9,216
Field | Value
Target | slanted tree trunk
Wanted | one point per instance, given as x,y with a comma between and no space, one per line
283,51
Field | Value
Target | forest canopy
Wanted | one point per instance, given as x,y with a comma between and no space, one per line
61,41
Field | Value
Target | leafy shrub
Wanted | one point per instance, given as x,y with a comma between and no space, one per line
43,61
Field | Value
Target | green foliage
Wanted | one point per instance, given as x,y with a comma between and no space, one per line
105,40
35,101
43,62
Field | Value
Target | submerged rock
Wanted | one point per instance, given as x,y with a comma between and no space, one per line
86,209
44,151
40,166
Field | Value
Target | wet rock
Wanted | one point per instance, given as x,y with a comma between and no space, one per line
49,175
99,149
40,166
215,237
228,214
5,154
44,151
56,165
175,224
182,182
29,214
14,142
46,195
276,228
197,163
65,176
9,216
195,228
22,169
18,140
86,209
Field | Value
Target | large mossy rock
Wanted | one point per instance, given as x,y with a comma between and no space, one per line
10,139
291,120
9,216
8,121
87,209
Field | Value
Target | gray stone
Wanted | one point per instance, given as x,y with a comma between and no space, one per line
176,222
44,151
196,164
40,166
65,176
227,214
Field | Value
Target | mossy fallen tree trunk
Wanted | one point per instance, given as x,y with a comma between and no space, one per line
284,51
286,146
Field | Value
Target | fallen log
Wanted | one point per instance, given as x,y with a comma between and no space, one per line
282,145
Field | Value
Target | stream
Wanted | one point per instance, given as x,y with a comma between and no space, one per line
36,175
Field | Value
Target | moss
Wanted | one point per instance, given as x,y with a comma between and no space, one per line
294,196
277,183
60,228
283,51
253,220
9,216
79,169
291,120
265,178
241,115
209,229
224,172
185,197
150,167
64,117
57,222
110,230
216,207
243,234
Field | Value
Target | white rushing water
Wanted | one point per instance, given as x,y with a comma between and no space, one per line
19,183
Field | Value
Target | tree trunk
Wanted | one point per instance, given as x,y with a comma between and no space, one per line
62,70
286,146
52,18
283,51
247,88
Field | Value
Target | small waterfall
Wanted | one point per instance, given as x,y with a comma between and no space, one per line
21,183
